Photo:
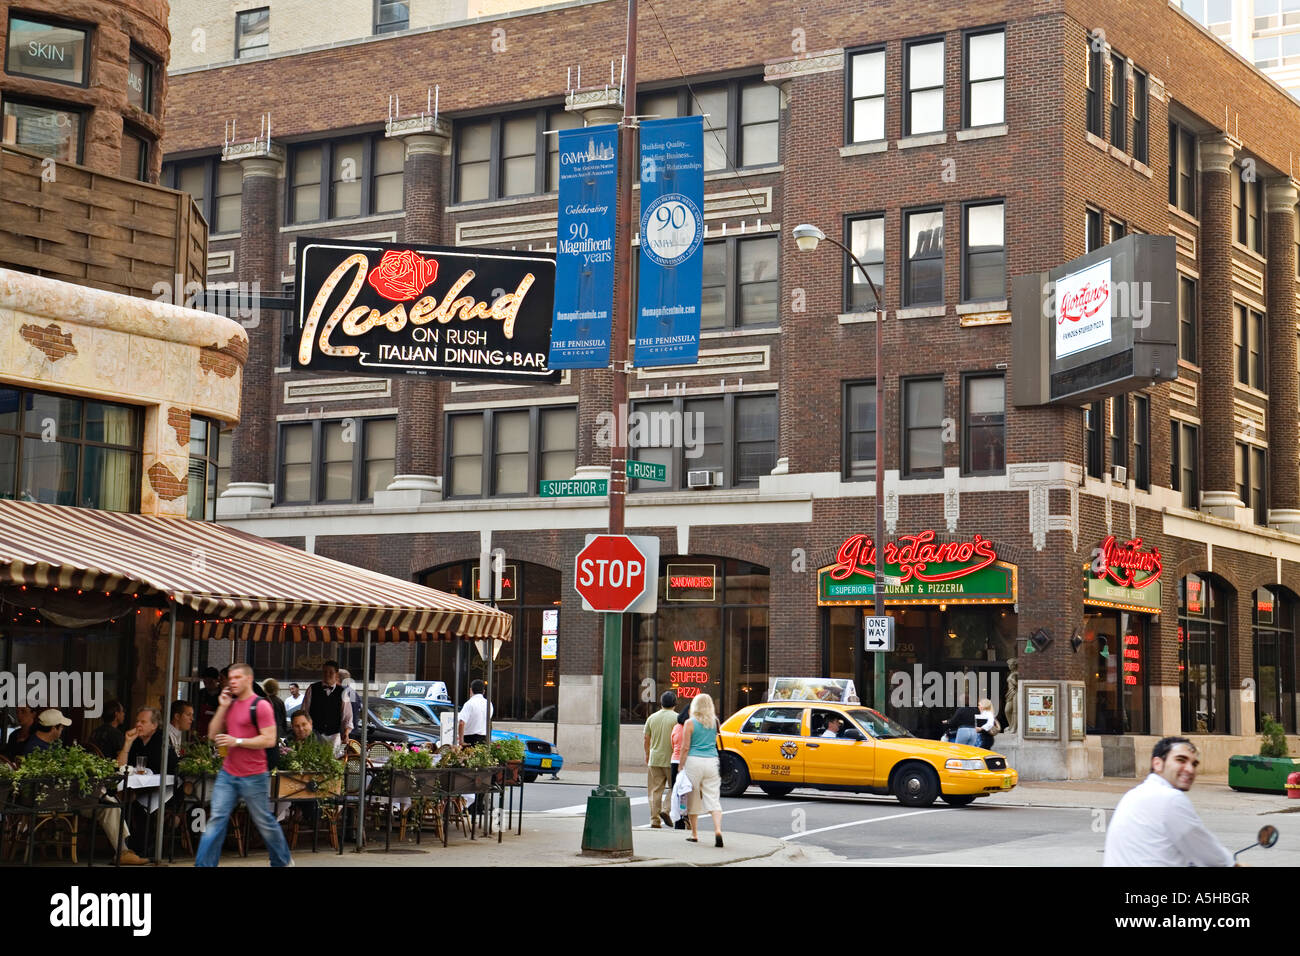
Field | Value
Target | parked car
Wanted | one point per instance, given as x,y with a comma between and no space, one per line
540,755
781,745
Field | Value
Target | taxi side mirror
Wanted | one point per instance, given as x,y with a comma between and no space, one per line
852,733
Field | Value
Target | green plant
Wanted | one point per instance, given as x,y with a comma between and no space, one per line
507,750
312,755
200,758
473,758
413,759
1272,738
61,766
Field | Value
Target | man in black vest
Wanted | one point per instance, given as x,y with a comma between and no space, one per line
327,703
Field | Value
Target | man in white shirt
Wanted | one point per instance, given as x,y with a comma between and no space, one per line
1155,823
472,727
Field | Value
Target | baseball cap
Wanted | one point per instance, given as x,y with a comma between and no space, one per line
52,718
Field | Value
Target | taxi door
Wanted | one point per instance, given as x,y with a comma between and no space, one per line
836,761
771,742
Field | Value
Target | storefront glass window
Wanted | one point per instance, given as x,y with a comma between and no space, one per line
709,636
1203,654
1114,650
1273,617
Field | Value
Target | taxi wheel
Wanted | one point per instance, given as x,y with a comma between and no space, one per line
958,799
776,789
735,775
916,786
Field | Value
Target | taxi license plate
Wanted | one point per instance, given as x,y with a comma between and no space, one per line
546,761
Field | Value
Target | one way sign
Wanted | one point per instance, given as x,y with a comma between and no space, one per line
880,633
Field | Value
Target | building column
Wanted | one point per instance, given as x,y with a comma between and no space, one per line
1218,378
1283,393
253,447
418,473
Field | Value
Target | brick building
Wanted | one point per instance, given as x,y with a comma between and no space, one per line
1026,138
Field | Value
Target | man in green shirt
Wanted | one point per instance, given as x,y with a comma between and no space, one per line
659,758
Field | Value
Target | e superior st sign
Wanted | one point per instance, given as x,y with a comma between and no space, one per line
374,308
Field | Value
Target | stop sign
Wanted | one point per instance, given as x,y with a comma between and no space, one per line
611,573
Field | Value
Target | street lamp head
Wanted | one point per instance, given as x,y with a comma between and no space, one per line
806,237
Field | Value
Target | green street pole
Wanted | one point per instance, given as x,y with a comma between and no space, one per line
608,827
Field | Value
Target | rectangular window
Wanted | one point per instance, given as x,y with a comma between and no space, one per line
392,15
227,197
1118,101
1140,124
473,161
1187,319
519,155
1092,428
740,283
723,442
1117,230
923,404
741,120
1142,442
1247,199
135,157
46,51
923,96
1118,417
139,82
68,451
346,178
48,130
713,103
984,96
859,453
867,240
252,32
1094,81
1248,339
1184,462
866,106
760,115
984,444
984,254
923,262
215,186
1258,480
336,462
514,448
1092,231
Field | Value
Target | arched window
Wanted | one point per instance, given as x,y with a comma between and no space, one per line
1273,617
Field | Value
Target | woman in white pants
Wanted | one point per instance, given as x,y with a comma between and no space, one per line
700,764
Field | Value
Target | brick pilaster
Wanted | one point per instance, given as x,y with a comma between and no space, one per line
1218,380
1283,418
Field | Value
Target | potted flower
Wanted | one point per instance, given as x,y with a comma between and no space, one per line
199,762
1267,772
509,752
307,770
59,779
411,773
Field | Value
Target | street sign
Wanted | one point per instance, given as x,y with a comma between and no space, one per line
880,633
617,573
646,470
575,488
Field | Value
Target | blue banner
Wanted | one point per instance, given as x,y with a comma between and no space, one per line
584,259
672,231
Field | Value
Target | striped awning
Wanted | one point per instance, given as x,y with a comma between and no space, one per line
235,584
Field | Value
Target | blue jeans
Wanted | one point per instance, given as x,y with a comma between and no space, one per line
256,794
965,735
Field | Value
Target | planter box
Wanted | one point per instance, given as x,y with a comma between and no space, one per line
1254,774
55,795
303,786
420,783
471,779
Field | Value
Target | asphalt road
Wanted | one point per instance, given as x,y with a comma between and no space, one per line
869,830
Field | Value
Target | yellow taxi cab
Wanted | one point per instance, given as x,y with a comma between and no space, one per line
780,745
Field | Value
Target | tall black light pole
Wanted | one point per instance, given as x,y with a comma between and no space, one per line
806,238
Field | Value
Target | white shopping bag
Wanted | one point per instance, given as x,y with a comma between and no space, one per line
680,789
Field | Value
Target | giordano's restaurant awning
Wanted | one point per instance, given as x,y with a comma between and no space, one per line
232,583
79,566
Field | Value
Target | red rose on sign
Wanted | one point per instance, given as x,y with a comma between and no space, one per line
402,275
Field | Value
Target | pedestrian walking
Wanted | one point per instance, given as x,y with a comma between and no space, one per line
659,728
472,725
244,773
1155,824
677,757
700,750
986,724
961,727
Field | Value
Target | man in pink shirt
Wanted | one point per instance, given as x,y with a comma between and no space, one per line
244,773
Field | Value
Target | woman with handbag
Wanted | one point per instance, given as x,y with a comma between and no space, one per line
700,764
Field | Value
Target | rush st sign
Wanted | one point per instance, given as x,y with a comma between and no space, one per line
617,573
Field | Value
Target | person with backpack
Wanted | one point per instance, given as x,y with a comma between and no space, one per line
244,725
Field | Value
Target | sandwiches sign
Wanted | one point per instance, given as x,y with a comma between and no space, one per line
1083,309
377,308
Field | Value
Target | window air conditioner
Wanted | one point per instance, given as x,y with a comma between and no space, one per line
703,479
1121,473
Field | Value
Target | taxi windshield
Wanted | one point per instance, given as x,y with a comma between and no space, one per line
877,724
391,712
